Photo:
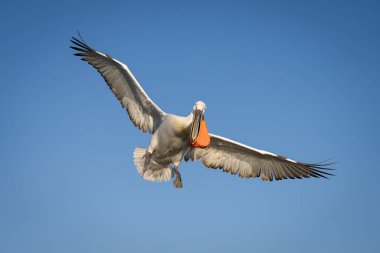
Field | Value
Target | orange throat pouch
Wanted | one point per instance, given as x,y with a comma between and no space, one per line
203,139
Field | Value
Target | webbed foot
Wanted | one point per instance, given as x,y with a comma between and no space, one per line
177,180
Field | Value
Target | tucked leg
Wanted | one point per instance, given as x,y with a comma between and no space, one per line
147,157
177,180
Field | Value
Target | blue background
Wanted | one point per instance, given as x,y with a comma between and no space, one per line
297,78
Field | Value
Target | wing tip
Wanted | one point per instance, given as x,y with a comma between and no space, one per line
80,44
320,169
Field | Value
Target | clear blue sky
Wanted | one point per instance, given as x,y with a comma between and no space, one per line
298,78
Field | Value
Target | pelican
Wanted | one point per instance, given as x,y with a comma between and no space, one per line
176,138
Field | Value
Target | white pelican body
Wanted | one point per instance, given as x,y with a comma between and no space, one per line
168,146
175,138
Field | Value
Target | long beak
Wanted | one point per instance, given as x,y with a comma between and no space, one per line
196,126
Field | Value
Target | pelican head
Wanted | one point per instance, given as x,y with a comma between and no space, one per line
198,115
200,106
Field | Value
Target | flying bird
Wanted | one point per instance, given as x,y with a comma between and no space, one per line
176,138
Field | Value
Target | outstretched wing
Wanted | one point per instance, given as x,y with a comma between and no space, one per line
143,112
234,157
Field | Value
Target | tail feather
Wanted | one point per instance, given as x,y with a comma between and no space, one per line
150,169
139,159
